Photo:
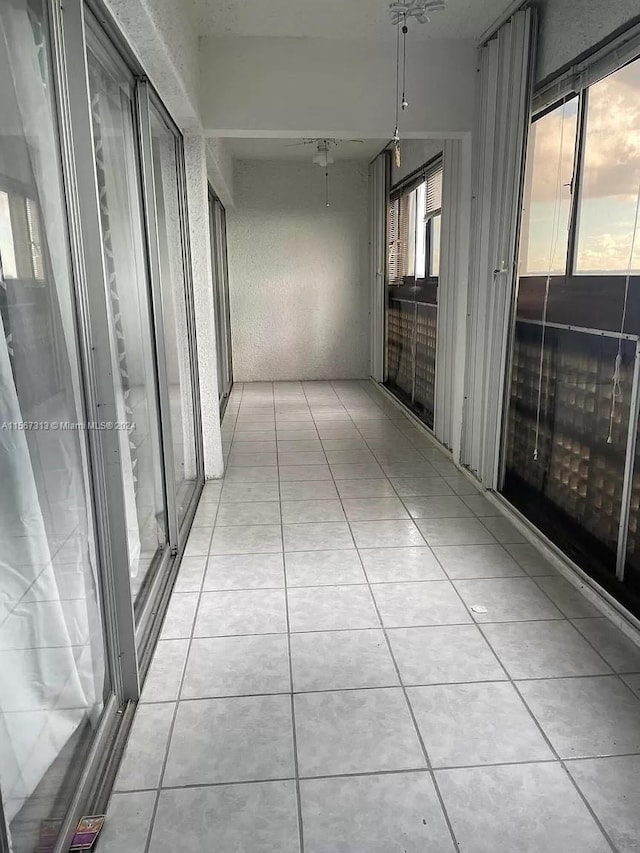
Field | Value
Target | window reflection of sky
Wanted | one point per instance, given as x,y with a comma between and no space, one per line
610,182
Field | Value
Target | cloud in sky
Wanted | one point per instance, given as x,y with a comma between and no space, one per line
610,182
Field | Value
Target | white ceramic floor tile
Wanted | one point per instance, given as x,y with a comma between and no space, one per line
355,731
257,817
376,814
244,571
254,611
531,808
231,740
320,568
336,660
237,666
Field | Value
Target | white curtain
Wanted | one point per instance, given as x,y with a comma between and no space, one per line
378,202
51,652
503,109
123,266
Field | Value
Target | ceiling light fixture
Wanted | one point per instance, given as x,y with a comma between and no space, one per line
400,13
323,157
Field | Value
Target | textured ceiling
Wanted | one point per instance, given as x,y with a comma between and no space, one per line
338,18
285,149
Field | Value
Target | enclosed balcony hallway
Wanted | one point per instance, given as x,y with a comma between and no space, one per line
362,654
319,426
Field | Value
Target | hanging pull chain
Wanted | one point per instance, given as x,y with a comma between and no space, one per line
405,30
555,229
396,132
616,386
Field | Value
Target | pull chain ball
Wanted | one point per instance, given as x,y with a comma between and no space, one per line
405,30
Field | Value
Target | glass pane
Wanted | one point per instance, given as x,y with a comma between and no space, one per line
421,232
411,309
401,327
425,383
567,437
130,321
174,307
52,656
611,177
434,245
547,199
220,287
222,222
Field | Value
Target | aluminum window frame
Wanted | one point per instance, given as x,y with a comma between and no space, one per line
220,274
153,100
577,85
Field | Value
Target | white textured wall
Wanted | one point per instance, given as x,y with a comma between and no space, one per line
298,272
320,87
413,154
568,28
162,35
220,168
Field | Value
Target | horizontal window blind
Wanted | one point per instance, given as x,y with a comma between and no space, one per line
399,238
433,194
407,216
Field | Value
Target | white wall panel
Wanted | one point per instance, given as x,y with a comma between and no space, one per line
568,28
323,87
298,272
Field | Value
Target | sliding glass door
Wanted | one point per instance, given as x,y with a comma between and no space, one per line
413,269
218,232
100,446
54,680
570,455
179,336
111,88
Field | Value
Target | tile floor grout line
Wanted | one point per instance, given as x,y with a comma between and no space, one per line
366,628
546,738
296,765
585,637
538,725
533,717
425,685
478,625
399,772
425,752
569,619
154,812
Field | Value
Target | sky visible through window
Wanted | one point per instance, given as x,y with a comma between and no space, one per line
610,182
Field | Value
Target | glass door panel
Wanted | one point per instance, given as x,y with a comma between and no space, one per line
217,222
413,269
175,309
611,177
53,677
568,458
133,355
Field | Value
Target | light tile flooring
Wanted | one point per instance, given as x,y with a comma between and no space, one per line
362,655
